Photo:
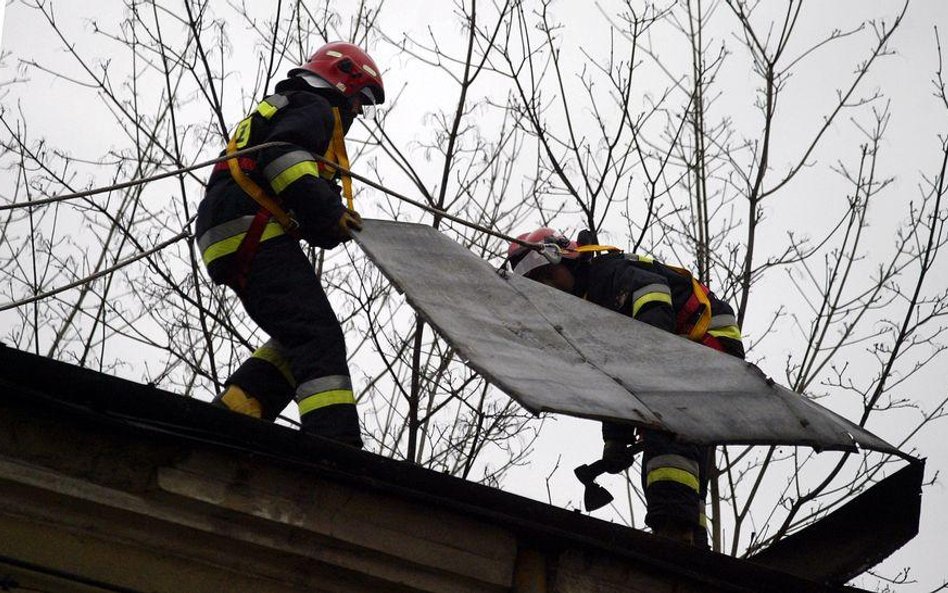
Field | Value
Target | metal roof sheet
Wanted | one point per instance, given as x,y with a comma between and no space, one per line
553,352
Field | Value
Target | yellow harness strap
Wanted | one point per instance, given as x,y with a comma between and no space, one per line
701,326
258,194
337,153
588,248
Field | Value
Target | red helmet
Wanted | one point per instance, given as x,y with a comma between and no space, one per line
347,69
524,260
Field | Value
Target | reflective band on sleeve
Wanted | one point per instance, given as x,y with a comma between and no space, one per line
732,332
723,320
326,398
281,180
280,165
673,474
231,244
649,294
270,352
703,520
724,326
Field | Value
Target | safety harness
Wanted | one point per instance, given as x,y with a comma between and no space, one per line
686,323
694,318
271,207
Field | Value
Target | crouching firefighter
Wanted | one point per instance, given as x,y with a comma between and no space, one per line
254,212
674,474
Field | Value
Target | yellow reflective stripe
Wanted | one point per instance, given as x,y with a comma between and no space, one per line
645,259
651,297
731,331
326,398
231,244
673,474
703,520
293,173
274,357
266,110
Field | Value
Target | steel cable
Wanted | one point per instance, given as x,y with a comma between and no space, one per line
186,233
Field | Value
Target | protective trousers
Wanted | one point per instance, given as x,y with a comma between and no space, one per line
305,359
674,479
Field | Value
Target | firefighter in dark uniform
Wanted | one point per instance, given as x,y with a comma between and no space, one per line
674,474
256,209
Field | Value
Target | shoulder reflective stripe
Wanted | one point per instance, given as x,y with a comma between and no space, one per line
223,231
326,398
672,474
284,162
731,331
649,294
722,320
231,244
328,383
678,461
290,174
271,353
271,105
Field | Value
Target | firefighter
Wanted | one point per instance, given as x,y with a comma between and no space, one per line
674,474
255,210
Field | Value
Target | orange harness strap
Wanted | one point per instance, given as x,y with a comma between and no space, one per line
699,297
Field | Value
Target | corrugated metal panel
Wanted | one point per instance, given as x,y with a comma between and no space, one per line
553,352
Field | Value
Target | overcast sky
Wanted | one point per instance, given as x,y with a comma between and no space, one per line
911,148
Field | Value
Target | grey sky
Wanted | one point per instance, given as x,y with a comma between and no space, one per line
910,147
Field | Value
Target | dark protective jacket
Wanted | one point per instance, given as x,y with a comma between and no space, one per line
659,295
674,474
289,173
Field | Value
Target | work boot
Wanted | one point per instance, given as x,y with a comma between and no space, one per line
237,400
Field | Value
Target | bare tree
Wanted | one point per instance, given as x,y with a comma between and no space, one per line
653,135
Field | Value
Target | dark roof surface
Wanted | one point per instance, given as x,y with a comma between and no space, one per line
98,400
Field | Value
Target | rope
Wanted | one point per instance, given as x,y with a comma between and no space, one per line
141,181
431,209
187,233
117,266
344,171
